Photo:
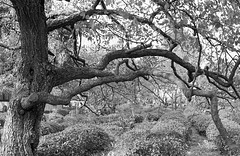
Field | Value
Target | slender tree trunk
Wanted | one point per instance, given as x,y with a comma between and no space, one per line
217,121
21,129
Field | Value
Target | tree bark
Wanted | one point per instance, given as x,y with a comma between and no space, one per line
227,141
21,129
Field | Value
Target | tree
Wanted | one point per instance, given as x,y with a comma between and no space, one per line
142,28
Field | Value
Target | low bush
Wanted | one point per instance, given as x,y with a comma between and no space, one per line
171,144
152,117
81,139
105,119
54,117
69,120
113,129
200,121
225,113
169,127
175,115
138,118
145,125
203,150
154,114
126,141
50,127
236,117
62,112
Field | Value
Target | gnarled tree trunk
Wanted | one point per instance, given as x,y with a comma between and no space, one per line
21,129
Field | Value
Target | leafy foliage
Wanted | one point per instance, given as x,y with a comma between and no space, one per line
200,121
51,127
165,127
75,140
236,117
126,141
171,144
62,112
175,115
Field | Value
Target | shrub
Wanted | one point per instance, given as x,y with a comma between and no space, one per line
145,125
168,127
126,141
106,118
69,120
113,129
236,117
138,119
154,114
225,114
50,127
171,144
152,117
62,112
79,139
54,117
200,121
175,115
203,150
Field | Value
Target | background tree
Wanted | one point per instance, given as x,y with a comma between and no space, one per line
131,38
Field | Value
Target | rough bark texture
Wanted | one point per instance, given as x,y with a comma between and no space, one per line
21,129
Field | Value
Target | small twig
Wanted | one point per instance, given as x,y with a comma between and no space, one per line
96,4
178,76
119,64
151,91
85,104
76,58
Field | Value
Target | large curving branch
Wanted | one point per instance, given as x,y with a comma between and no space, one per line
141,53
64,99
68,73
104,80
